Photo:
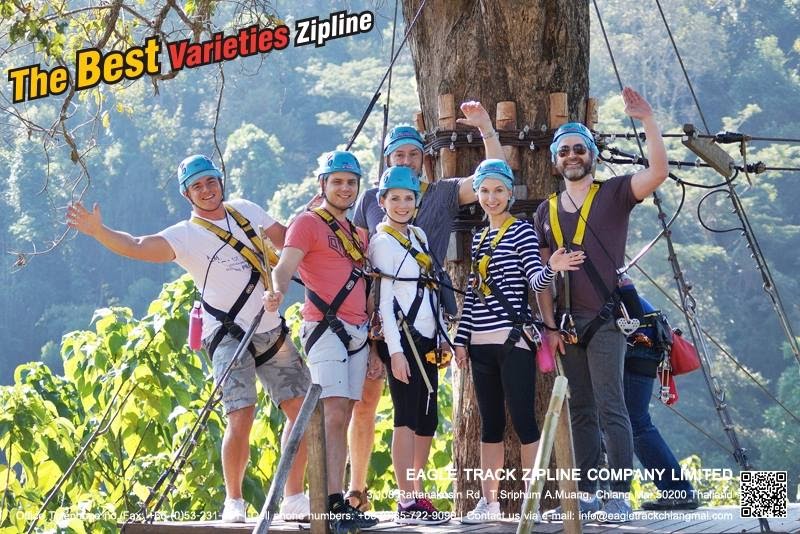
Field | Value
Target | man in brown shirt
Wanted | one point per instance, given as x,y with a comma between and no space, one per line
594,368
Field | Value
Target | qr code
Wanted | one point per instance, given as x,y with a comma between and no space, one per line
763,494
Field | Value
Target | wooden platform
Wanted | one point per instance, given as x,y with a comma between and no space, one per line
711,520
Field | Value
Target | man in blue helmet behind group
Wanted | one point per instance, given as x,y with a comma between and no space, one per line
438,207
593,217
230,283
329,253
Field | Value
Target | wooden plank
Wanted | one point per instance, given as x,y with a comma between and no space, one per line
506,119
591,113
559,111
683,522
447,121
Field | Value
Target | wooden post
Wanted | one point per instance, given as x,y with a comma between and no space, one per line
558,115
591,113
447,121
427,160
318,472
288,454
565,459
540,465
559,111
506,119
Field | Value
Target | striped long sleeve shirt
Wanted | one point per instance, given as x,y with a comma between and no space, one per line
514,264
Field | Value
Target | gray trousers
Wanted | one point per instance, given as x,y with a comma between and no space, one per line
597,400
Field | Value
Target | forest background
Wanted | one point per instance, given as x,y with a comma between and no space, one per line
278,113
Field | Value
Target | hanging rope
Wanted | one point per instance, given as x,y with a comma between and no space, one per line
382,160
694,425
690,311
385,76
683,68
749,234
721,348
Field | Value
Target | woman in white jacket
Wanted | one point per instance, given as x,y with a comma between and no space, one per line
399,252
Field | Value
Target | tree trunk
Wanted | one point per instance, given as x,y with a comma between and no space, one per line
495,51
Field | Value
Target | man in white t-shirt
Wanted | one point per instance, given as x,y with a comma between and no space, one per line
231,287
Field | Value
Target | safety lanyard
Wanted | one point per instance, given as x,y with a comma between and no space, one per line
482,265
351,243
424,260
580,229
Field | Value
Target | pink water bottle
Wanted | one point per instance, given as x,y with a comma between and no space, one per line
545,359
196,326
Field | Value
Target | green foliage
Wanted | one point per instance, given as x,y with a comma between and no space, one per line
137,380
132,391
713,491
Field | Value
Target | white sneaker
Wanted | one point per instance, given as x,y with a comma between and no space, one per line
483,513
296,508
234,511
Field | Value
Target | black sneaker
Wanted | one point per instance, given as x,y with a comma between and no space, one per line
346,518
420,512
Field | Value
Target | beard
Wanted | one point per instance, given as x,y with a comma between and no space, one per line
576,175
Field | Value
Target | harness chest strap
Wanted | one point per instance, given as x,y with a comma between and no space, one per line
354,250
425,263
580,229
423,260
351,243
244,224
226,319
247,253
577,239
482,265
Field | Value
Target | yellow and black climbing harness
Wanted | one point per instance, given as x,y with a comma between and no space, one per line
253,258
355,251
480,266
483,285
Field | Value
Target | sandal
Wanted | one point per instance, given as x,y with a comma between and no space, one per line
358,499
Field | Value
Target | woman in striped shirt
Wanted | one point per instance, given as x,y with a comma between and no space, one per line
492,335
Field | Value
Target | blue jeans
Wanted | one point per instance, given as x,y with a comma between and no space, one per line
648,445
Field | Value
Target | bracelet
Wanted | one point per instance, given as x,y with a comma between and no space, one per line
489,135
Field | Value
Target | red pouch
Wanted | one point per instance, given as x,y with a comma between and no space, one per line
683,356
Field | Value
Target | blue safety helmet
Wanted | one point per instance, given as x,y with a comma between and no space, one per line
573,128
195,167
398,178
493,168
340,161
403,134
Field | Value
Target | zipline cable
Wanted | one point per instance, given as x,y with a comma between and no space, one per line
689,309
722,349
381,159
385,76
749,234
683,68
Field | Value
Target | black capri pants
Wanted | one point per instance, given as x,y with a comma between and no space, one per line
500,377
413,407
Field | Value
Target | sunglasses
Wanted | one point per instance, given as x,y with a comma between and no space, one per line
579,150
